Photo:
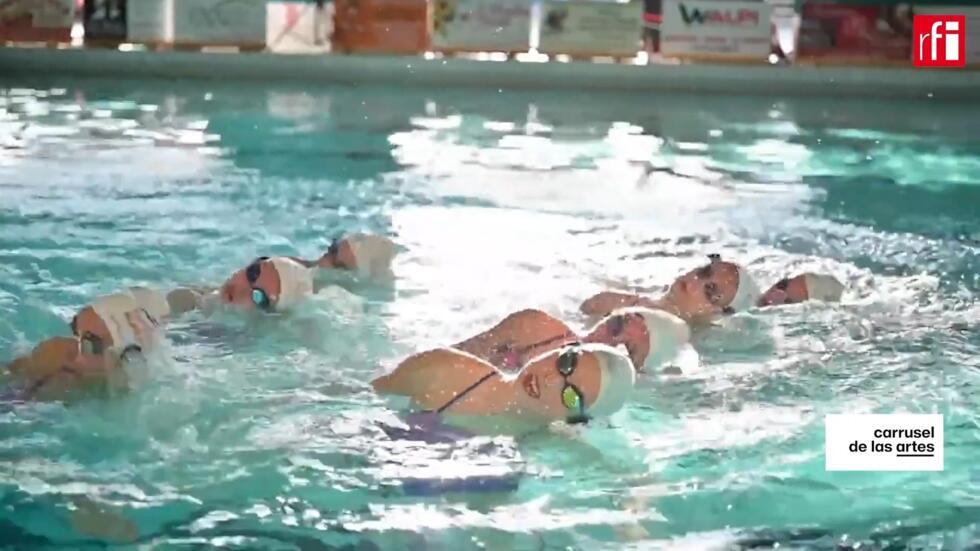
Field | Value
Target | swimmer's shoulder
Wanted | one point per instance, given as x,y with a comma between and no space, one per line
430,368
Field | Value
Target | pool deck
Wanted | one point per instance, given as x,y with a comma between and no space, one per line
863,82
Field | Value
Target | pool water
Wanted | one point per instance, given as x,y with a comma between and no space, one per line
264,433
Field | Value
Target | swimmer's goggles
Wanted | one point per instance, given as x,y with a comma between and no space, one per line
259,297
88,343
571,397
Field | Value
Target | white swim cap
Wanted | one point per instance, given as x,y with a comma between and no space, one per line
823,287
295,281
616,380
153,302
666,331
125,319
747,294
373,254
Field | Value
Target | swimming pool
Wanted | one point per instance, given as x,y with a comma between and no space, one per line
258,434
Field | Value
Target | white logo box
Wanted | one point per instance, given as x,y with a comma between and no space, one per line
891,442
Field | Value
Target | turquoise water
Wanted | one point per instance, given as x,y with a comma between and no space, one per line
263,433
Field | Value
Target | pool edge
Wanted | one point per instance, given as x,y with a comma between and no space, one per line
415,71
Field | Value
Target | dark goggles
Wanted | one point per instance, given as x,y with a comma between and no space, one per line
259,297
88,343
571,396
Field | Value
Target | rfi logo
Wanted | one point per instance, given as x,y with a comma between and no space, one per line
939,41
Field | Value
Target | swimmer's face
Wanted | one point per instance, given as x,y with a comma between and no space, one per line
786,291
94,335
706,290
88,326
628,330
261,274
540,385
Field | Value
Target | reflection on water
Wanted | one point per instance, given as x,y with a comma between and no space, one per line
261,433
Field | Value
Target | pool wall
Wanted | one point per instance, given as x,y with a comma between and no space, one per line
415,71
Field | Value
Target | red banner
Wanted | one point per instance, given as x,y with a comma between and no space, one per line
36,20
871,32
381,26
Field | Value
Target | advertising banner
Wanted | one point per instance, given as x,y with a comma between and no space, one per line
481,25
219,22
717,28
855,33
381,26
592,28
36,20
149,21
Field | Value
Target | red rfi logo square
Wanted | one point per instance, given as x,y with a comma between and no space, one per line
939,41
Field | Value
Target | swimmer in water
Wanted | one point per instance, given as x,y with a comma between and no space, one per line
131,321
131,317
112,329
61,368
278,282
717,288
803,287
575,383
128,320
650,337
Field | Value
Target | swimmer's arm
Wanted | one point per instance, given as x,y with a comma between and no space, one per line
342,259
602,304
183,300
187,299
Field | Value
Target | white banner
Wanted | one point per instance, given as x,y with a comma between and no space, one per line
884,442
298,26
229,22
972,25
717,28
149,21
481,25
593,28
